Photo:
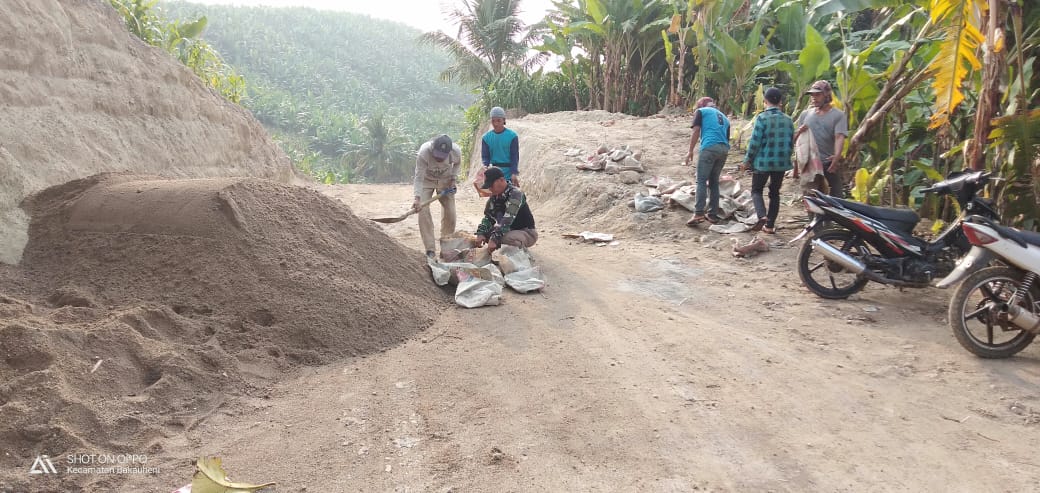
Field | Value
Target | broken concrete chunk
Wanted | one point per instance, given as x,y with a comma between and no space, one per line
629,177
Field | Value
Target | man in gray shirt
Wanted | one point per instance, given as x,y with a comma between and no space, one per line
829,128
436,167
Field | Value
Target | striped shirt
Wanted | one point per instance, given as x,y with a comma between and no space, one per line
772,142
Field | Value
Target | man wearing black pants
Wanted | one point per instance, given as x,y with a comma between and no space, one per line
769,156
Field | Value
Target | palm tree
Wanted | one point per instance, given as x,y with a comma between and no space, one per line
384,155
487,41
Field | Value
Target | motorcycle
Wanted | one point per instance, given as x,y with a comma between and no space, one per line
1002,296
853,243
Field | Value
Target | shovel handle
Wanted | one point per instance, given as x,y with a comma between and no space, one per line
422,206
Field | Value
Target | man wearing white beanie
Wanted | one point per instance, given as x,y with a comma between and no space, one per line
500,147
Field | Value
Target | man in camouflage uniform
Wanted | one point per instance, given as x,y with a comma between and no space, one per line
507,217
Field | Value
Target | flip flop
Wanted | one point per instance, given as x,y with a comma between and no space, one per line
712,218
759,225
695,220
769,231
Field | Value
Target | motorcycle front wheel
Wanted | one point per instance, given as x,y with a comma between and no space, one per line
824,277
976,318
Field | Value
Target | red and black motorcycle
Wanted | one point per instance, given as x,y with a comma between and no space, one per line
854,243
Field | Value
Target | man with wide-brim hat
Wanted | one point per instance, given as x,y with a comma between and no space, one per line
507,216
829,128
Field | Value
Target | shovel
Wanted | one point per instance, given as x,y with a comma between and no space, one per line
422,206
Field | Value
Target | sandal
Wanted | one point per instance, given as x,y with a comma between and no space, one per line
759,225
695,220
768,230
712,218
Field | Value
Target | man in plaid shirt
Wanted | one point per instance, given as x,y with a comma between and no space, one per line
769,156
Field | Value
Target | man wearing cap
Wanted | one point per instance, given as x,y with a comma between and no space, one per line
500,147
829,128
507,217
711,127
769,156
436,167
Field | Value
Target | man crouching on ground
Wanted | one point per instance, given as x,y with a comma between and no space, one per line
507,217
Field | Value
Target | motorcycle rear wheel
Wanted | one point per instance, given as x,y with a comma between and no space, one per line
974,313
826,278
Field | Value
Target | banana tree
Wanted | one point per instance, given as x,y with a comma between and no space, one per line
562,45
737,65
712,17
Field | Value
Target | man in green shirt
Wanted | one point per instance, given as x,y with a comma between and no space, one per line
769,156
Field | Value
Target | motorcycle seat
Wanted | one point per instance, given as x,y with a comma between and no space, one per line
1021,237
901,219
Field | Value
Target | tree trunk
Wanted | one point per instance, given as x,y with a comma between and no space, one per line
885,99
682,69
989,96
574,87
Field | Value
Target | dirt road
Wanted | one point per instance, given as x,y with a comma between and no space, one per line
647,366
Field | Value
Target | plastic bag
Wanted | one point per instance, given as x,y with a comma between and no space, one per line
474,292
647,204
454,247
526,280
684,196
476,256
449,273
512,259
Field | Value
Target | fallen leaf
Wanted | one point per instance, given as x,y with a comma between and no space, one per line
211,478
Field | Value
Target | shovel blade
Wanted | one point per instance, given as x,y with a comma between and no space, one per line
389,220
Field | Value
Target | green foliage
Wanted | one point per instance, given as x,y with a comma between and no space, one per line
382,154
352,95
181,40
870,184
476,117
535,93
814,58
492,38
1020,133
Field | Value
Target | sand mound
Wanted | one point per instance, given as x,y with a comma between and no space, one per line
186,291
81,95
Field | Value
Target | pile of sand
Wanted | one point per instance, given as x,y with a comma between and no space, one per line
186,291
81,96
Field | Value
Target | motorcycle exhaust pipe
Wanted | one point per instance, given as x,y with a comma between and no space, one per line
833,254
1024,319
848,263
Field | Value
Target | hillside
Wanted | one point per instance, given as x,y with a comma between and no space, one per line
82,95
315,77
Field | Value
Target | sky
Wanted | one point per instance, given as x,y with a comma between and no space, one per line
426,15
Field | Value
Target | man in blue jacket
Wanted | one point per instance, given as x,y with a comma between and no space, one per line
711,127
500,147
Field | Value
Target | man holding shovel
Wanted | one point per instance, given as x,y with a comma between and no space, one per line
436,167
